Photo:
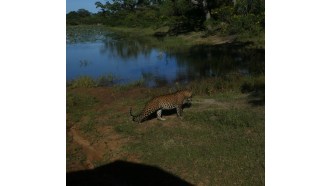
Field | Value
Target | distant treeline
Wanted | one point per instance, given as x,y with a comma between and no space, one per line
180,16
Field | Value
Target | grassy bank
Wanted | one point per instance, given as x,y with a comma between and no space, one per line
168,43
220,140
193,38
184,41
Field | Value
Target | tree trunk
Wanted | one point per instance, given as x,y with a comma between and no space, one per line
205,8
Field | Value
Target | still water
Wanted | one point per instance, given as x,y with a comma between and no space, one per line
96,52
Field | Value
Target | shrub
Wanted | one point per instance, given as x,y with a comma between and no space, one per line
105,81
245,23
223,14
83,81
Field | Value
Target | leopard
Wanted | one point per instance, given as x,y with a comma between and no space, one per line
165,102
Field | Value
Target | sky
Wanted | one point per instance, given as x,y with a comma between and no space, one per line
74,5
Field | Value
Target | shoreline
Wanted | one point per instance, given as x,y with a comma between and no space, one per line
186,40
194,38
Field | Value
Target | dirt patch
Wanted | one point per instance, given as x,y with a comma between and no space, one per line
205,104
211,104
104,144
216,40
199,38
110,143
91,154
103,149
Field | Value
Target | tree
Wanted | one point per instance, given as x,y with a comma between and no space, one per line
101,6
83,13
117,5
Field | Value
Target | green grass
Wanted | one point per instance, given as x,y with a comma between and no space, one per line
168,43
184,41
83,81
216,146
89,82
221,142
225,119
125,128
208,147
228,85
79,106
79,102
89,125
145,35
258,40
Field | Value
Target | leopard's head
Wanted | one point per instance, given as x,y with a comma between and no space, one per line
187,94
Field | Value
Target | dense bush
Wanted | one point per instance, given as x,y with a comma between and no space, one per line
181,16
244,23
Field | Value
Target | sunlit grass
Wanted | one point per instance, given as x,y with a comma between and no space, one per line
89,82
217,144
211,147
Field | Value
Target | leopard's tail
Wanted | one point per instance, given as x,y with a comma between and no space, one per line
136,118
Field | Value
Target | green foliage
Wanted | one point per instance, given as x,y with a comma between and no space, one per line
83,81
223,14
105,80
83,13
244,7
246,18
245,23
81,16
88,82
166,9
231,83
183,7
256,83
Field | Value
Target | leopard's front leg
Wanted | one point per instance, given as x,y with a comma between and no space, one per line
179,111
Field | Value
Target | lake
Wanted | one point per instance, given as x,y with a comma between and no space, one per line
96,52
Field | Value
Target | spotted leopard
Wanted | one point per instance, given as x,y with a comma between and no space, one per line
166,102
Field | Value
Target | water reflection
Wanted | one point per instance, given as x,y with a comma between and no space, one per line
210,61
84,63
131,60
125,49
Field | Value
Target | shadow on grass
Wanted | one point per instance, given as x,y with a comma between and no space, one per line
123,173
256,93
257,98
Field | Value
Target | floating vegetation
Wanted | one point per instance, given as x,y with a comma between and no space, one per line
75,34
